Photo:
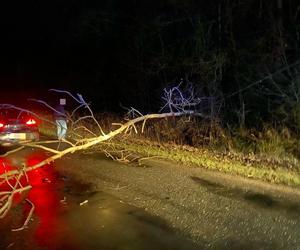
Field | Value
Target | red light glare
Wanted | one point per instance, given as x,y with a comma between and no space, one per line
1,125
31,122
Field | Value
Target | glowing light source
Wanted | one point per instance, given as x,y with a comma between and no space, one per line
31,122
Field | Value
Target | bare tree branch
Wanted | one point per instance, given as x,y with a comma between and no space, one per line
28,217
178,103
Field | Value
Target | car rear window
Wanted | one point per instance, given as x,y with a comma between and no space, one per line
13,114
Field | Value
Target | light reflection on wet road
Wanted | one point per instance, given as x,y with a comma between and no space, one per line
70,215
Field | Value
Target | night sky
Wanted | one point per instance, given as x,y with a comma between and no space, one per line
125,52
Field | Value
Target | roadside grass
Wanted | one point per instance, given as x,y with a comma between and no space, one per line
47,129
237,164
270,154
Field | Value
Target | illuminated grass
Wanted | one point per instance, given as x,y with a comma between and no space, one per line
284,172
48,130
205,159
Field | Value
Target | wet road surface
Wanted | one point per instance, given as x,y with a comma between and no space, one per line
215,210
73,215
86,201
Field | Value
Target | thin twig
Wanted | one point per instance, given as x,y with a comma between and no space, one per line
28,217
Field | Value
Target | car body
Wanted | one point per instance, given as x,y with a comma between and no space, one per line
17,127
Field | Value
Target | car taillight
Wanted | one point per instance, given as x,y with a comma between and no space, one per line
1,125
31,122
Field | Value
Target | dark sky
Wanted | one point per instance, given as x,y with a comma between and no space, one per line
77,45
41,49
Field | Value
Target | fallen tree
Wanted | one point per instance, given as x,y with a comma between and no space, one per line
177,103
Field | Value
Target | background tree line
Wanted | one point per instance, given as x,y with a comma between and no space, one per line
126,52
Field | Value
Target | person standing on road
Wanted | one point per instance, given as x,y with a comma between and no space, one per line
61,119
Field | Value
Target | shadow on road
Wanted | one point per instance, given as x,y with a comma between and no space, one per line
291,209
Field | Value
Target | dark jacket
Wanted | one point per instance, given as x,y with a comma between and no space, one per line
60,113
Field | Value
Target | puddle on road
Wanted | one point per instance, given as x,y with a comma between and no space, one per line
72,215
292,209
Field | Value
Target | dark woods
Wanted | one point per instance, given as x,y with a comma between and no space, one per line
241,56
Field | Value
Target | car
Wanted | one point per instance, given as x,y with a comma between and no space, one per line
17,127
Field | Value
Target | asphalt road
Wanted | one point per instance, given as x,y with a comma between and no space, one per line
214,210
86,201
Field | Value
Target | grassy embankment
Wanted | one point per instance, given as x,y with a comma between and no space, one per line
269,154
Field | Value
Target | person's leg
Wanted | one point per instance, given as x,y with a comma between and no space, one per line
61,129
